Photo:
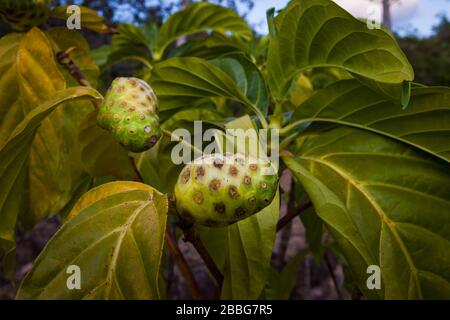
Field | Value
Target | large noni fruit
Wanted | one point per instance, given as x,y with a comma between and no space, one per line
22,15
218,190
130,112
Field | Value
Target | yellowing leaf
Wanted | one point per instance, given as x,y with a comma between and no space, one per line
115,236
13,162
100,154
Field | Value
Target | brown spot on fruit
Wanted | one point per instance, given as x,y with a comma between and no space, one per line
123,104
263,185
233,171
247,181
149,98
233,192
200,172
211,223
132,82
152,140
218,163
141,116
219,207
253,166
214,184
185,176
132,130
198,197
266,200
251,201
239,212
131,109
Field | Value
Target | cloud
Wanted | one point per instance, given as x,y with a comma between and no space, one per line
403,10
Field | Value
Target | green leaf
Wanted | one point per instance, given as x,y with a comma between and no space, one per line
313,233
386,204
319,33
90,19
115,235
11,112
13,161
270,16
210,47
130,43
243,251
424,125
53,170
248,77
199,17
406,93
281,284
96,148
179,81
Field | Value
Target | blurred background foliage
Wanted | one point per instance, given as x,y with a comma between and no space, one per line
430,56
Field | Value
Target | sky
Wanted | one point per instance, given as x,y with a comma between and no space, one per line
408,16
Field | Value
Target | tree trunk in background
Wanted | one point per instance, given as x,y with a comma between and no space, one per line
387,14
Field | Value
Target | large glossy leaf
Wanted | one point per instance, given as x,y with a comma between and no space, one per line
130,43
13,161
425,124
9,45
90,19
210,47
319,33
243,251
199,17
177,81
386,204
115,235
53,172
100,154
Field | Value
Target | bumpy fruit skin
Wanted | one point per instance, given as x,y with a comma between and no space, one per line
22,15
130,112
218,190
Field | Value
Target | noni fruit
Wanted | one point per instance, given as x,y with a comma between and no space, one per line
218,190
22,15
130,112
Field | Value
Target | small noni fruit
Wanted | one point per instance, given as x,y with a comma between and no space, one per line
130,112
22,15
218,190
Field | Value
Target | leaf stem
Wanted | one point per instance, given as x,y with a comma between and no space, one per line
291,215
191,235
182,264
137,174
63,57
261,117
